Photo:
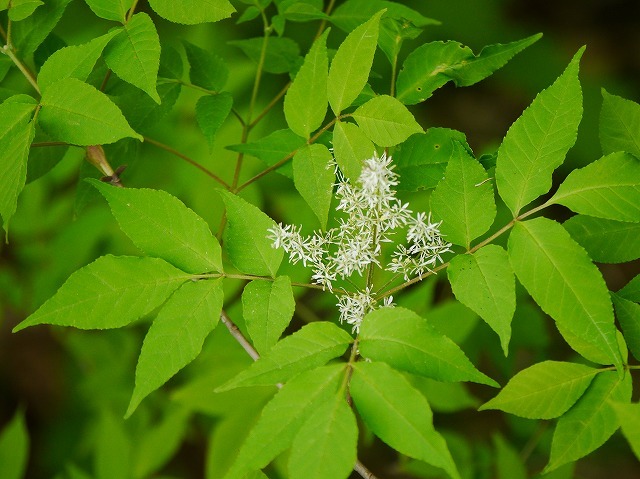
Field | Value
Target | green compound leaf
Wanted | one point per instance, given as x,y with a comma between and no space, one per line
538,141
267,308
619,125
484,282
282,54
14,447
73,62
386,121
629,417
350,148
161,225
628,314
463,200
565,283
606,241
77,113
326,444
591,421
432,65
134,54
313,177
21,9
409,343
192,12
176,336
111,292
115,10
245,238
207,70
607,188
211,111
544,390
398,414
308,348
351,64
284,415
29,33
305,112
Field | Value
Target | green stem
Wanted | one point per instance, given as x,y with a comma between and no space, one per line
25,71
271,104
131,11
394,71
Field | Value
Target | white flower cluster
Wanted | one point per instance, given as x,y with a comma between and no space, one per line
373,213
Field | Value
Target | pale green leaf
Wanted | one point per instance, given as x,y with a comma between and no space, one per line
544,390
28,34
607,188
308,348
134,54
484,282
398,414
161,225
628,314
591,421
408,342
313,177
565,283
21,9
113,448
303,111
211,111
509,464
245,238
111,292
619,125
350,148
538,141
207,70
115,10
351,64
463,200
14,447
192,12
606,241
267,308
282,54
386,121
77,113
629,417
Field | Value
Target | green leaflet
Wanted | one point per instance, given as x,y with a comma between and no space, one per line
398,414
565,283
207,70
305,112
313,177
134,54
21,9
538,141
161,225
140,110
606,241
408,342
629,417
111,292
386,121
350,148
310,347
176,336
463,200
211,111
509,464
282,53
115,10
444,397
591,421
544,390
245,237
14,447
267,308
77,113
113,449
351,64
607,188
631,290
433,64
73,62
29,33
619,125
628,314
484,282
192,12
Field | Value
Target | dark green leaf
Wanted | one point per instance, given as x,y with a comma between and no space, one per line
629,417
207,70
606,241
313,177
192,12
14,447
619,125
386,121
631,290
28,34
628,314
211,111
282,54
21,9
509,464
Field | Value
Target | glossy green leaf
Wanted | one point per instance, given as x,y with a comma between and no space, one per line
14,447
607,188
509,464
115,10
134,54
161,225
304,112
21,9
386,121
29,33
350,148
591,421
538,141
631,290
211,112
484,282
313,177
192,12
408,342
267,308
207,70
281,56
77,113
565,283
176,336
398,414
544,390
111,292
351,64
245,238
619,125
113,448
463,200
628,314
308,348
606,241
629,418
